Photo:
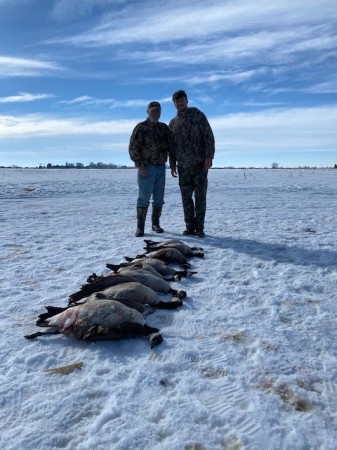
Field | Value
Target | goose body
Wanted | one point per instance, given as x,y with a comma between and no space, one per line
148,279
98,320
148,268
168,255
140,294
98,283
178,245
157,264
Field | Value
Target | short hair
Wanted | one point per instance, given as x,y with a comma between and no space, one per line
179,94
153,105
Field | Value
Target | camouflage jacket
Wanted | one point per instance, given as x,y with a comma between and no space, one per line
193,136
150,143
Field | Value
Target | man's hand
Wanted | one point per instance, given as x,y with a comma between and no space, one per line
208,163
143,171
174,171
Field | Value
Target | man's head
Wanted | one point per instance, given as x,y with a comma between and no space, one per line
154,111
180,100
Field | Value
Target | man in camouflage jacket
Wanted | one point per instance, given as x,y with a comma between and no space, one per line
193,152
150,144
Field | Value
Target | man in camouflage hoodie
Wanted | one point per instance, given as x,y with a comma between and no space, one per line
193,152
150,144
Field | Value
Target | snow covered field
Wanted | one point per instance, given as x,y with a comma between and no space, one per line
249,361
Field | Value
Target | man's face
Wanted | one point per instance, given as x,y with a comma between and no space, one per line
181,104
154,113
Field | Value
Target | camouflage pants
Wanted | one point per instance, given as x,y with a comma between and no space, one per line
193,180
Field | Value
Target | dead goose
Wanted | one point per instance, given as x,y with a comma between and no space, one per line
150,269
145,278
129,302
96,284
98,321
134,295
159,265
140,294
168,255
179,245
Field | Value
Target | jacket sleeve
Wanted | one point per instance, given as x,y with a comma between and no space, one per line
135,146
208,138
172,152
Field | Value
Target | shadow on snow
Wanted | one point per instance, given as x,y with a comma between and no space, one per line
274,252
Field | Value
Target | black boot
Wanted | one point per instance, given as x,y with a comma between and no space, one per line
156,213
190,228
141,216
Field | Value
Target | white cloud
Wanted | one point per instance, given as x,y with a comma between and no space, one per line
110,102
327,87
177,21
275,129
39,125
65,10
13,66
77,100
239,36
250,47
25,97
287,130
216,76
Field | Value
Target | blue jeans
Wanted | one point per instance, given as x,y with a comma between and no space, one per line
153,184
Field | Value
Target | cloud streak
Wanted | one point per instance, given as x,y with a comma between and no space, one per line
67,10
263,47
16,67
239,39
192,21
40,125
278,129
25,97
112,103
295,129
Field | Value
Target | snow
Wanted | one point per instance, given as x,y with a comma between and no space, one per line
249,361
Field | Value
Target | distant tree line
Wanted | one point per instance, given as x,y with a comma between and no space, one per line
67,165
101,165
80,165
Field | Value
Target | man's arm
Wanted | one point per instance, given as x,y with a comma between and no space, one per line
172,152
209,141
135,146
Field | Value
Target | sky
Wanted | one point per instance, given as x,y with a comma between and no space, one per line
76,77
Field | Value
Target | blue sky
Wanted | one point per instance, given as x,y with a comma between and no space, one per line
76,76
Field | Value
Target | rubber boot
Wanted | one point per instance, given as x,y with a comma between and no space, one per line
156,213
141,217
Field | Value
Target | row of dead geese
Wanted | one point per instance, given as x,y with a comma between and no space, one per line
113,306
